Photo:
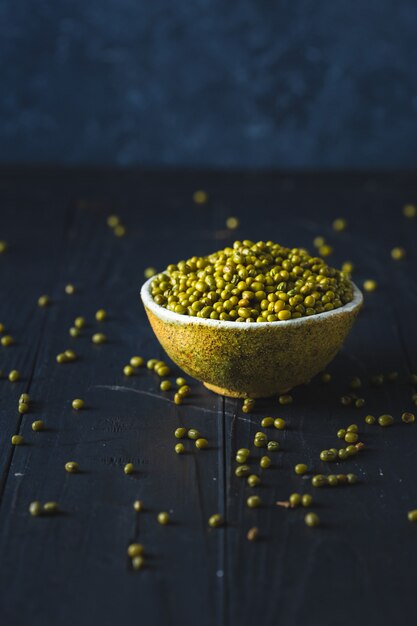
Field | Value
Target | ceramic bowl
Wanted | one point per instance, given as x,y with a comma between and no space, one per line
251,359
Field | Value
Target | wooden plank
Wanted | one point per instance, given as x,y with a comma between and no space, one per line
25,214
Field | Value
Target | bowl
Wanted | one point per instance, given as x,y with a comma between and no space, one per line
251,359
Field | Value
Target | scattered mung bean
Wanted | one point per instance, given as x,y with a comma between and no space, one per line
253,480
50,507
248,406
325,250
119,230
352,479
79,322
385,420
138,562
98,338
351,450
43,301
312,520
35,508
351,437
113,221
294,500
319,480
242,470
216,520
101,315
232,223
306,500
135,549
178,398
71,467
339,224
260,440
272,446
252,534
163,518
149,272
180,433
370,285
409,210
348,267
200,196
137,361
253,502
328,456
179,448
397,253
319,241
265,462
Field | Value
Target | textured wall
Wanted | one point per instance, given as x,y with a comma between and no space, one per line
197,82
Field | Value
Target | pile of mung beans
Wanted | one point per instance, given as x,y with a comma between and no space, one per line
252,282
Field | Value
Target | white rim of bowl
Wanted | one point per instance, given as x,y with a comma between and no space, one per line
170,316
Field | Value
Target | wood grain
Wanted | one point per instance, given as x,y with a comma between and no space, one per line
357,568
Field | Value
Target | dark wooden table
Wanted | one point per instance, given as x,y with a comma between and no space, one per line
359,567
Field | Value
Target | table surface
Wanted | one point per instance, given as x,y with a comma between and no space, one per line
358,567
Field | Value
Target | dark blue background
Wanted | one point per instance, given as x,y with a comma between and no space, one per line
220,83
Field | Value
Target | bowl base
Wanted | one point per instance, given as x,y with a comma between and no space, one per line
229,393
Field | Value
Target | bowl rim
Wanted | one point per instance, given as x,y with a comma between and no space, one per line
178,318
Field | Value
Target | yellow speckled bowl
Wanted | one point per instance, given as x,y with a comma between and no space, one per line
251,359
